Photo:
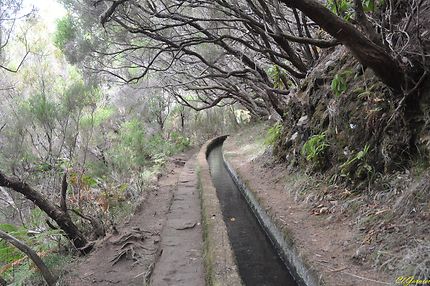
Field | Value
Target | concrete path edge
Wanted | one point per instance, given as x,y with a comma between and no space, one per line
281,237
220,265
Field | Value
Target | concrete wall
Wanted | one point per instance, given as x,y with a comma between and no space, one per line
282,241
220,264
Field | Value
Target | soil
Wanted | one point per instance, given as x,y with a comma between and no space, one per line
161,243
328,244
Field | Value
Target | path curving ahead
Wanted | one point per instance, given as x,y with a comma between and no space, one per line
181,262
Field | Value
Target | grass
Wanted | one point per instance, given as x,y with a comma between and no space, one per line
28,274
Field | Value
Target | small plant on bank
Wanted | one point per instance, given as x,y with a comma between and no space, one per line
357,165
342,8
273,134
315,147
338,84
276,73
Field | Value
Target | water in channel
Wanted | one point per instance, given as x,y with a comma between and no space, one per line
257,259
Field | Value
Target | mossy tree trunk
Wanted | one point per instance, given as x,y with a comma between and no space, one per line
367,52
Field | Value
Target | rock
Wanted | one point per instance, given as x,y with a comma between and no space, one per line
186,225
361,253
302,121
330,65
294,136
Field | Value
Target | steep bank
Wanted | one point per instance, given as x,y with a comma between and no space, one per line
349,238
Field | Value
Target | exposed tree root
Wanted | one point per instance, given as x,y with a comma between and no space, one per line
132,246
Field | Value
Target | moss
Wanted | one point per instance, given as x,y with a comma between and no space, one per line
207,253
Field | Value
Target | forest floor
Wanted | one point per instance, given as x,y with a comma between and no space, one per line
161,244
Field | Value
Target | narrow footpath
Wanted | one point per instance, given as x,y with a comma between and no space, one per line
161,244
180,262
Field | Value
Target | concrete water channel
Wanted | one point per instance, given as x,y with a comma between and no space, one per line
258,260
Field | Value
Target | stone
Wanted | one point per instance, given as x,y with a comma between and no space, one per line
302,121
294,136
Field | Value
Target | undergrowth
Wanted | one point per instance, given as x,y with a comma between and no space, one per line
273,134
315,147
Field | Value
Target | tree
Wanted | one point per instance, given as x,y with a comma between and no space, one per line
159,107
58,213
367,52
11,12
44,110
221,51
47,275
218,50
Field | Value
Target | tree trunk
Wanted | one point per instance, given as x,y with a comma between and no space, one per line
60,216
368,53
47,275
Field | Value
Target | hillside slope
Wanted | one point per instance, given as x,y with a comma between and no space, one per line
349,237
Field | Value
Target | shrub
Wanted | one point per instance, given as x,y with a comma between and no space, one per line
180,141
315,147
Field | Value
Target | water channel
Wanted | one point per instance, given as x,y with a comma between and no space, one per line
258,261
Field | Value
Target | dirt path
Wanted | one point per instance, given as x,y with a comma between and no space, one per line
181,260
130,257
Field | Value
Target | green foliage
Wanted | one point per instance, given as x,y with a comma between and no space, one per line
273,134
276,73
132,133
134,148
9,253
182,142
39,241
41,109
342,8
89,180
357,164
27,274
131,149
97,168
369,5
97,118
315,147
345,8
65,32
156,145
77,95
338,84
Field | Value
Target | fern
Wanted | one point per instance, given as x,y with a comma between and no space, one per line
315,147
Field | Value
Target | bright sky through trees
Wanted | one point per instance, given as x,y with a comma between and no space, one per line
49,10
